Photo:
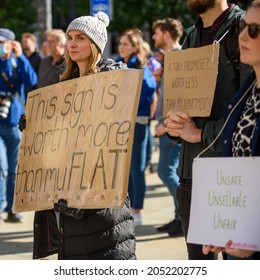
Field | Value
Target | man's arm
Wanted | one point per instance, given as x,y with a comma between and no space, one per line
181,125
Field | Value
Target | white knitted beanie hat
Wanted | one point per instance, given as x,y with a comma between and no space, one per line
93,26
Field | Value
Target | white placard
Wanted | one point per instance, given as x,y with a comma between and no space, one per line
225,202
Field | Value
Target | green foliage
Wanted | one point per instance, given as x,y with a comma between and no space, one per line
18,15
64,11
127,14
134,13
21,15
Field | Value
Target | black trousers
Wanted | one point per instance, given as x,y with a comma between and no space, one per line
184,203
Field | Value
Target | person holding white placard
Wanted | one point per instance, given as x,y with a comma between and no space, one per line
241,136
217,22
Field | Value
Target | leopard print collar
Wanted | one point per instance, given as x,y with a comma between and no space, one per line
243,134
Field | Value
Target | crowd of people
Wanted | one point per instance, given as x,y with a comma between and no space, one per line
110,233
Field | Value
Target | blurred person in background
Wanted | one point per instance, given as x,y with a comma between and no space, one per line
53,65
16,75
167,35
156,69
45,49
30,49
132,52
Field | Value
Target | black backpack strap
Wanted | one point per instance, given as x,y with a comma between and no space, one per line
190,37
7,82
231,46
12,88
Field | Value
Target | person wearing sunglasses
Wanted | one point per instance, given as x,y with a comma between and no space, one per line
217,21
241,135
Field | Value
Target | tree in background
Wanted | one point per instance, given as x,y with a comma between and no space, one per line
21,15
18,15
129,13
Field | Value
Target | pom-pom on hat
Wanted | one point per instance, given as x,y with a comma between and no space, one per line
93,26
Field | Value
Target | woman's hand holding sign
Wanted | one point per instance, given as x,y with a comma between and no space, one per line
239,253
210,248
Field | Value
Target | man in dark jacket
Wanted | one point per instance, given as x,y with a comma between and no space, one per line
29,46
217,21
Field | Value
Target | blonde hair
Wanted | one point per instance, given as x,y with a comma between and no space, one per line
135,36
59,34
91,67
147,49
255,4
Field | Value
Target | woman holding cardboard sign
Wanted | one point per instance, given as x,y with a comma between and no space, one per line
89,234
241,132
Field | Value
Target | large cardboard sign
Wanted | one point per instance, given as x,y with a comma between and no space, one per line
190,80
78,141
225,202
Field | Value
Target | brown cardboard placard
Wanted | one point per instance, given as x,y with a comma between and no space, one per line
190,79
78,141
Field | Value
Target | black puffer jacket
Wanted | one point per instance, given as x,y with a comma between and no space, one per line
98,234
